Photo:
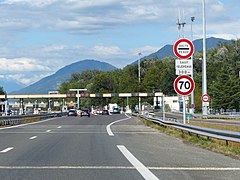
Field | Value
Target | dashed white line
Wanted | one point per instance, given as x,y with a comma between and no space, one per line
7,149
48,130
59,127
33,137
145,172
109,131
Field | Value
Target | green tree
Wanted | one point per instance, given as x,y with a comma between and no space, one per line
1,91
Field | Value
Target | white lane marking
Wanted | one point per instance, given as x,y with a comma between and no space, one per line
109,131
7,149
11,127
59,127
145,172
66,167
196,168
48,130
125,167
86,132
33,137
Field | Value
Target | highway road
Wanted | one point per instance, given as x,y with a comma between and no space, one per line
104,147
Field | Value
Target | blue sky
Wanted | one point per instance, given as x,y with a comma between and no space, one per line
37,37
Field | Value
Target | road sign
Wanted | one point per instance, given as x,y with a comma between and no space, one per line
184,85
205,98
183,48
183,67
183,72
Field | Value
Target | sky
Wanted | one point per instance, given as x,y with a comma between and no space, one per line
38,37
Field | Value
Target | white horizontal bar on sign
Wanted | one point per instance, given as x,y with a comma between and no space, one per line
183,62
125,94
93,95
158,94
107,95
143,94
183,72
205,103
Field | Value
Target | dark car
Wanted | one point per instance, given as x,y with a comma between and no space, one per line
105,112
72,112
85,112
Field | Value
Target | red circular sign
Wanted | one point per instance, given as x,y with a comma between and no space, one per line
184,85
205,98
183,48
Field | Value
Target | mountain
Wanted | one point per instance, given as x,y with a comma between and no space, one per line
167,50
10,85
52,82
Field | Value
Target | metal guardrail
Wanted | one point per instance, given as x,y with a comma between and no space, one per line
208,132
15,120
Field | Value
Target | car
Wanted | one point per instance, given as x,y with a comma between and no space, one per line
9,112
116,111
105,112
72,112
85,112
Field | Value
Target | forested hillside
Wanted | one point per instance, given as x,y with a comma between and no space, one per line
223,66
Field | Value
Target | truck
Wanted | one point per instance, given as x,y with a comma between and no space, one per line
113,108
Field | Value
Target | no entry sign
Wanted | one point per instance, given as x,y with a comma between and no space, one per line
205,98
184,85
183,48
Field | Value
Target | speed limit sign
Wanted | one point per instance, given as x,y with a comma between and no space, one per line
184,85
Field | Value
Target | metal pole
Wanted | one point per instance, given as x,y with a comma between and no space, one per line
78,95
6,103
184,110
204,73
78,100
192,95
163,107
49,105
139,81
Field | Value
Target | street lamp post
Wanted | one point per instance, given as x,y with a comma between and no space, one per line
78,95
204,72
192,95
139,81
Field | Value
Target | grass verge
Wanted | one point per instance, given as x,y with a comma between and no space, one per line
216,126
232,149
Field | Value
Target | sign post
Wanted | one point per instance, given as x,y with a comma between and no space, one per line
184,85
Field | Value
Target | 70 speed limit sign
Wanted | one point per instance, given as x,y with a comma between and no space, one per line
184,85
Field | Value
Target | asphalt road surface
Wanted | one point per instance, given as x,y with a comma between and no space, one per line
104,148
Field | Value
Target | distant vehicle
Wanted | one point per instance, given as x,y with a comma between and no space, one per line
111,106
9,112
85,112
105,112
116,111
72,112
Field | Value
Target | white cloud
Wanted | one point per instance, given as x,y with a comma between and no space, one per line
21,65
217,7
30,2
107,51
27,79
